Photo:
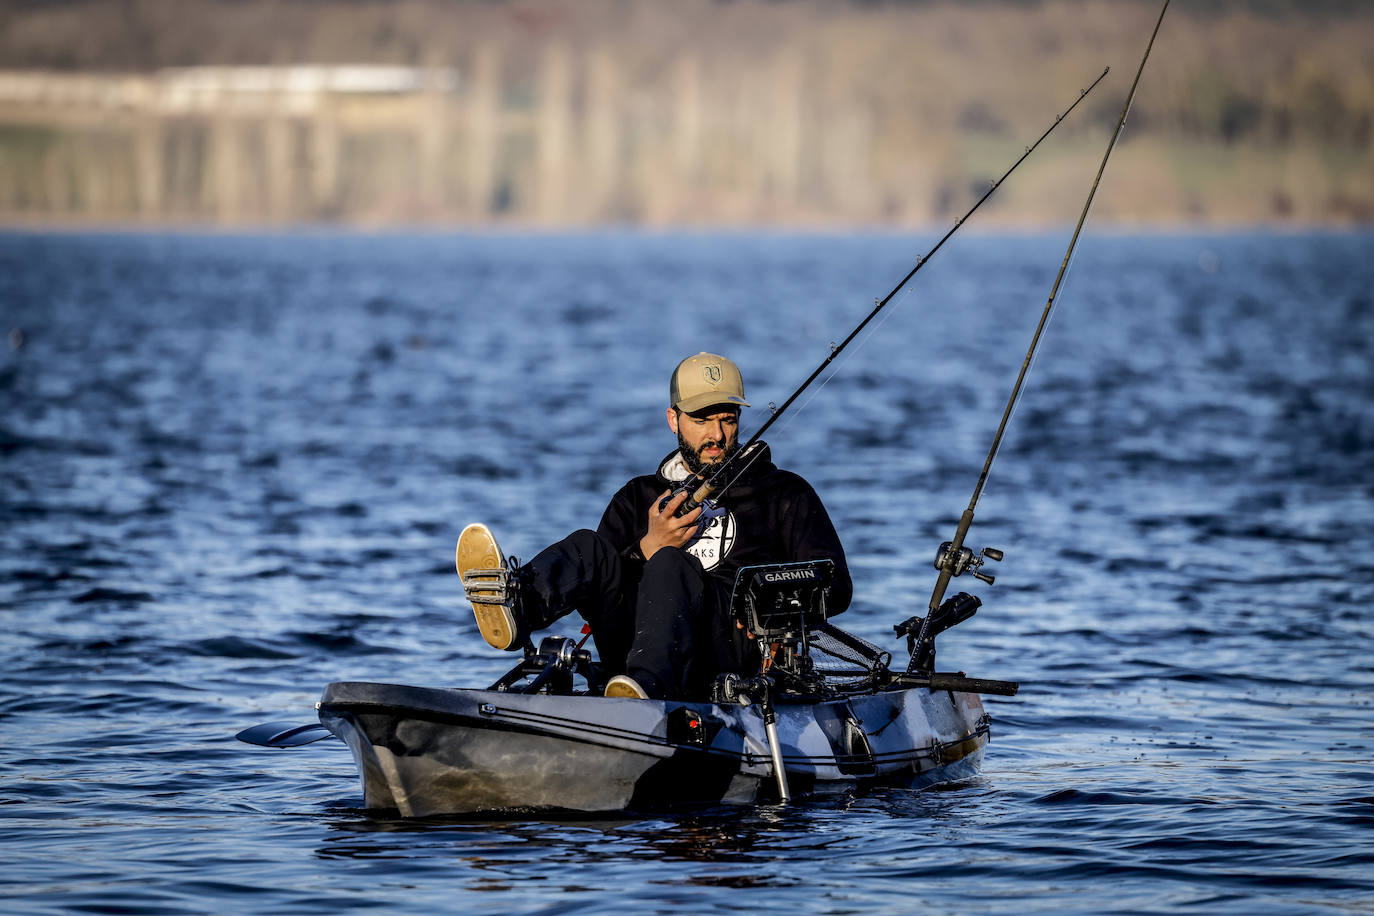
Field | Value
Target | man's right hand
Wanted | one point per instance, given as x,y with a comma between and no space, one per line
666,529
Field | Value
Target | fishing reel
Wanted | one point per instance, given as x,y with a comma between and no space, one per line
964,560
550,669
687,486
711,511
700,487
731,689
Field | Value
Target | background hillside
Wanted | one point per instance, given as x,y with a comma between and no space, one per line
687,113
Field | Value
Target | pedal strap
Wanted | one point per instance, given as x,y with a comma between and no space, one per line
489,586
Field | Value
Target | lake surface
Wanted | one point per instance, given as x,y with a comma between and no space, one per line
232,469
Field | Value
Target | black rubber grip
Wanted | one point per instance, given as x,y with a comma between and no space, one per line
961,684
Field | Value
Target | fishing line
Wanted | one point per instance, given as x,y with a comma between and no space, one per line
842,363
1035,359
1063,271
718,483
954,558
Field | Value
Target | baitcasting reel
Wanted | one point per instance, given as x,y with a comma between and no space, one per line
964,560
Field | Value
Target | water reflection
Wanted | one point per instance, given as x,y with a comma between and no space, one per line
763,846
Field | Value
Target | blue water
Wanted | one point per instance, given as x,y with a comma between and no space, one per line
232,469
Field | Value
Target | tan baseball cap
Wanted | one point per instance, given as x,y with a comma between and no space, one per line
704,380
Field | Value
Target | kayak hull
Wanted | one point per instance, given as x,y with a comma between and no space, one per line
434,751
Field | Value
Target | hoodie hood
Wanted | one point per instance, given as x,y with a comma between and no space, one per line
673,468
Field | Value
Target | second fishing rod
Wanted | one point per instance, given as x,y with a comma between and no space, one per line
953,558
722,478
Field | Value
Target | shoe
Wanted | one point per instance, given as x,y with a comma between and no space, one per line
626,687
489,586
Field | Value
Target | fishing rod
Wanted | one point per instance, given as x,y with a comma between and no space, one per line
953,558
700,493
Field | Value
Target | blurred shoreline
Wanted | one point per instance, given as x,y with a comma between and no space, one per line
263,115
991,230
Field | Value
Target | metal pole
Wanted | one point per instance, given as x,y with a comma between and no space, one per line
770,727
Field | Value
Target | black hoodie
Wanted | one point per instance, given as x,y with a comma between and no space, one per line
772,516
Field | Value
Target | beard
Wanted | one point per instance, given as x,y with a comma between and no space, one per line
696,464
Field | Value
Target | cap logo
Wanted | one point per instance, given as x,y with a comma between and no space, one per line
711,374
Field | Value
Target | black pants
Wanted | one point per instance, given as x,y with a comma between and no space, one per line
665,626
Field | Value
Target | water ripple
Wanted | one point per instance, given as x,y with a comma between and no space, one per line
234,469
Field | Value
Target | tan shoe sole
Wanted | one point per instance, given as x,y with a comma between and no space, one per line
625,687
477,550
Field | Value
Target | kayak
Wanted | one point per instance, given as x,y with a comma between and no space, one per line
427,751
823,714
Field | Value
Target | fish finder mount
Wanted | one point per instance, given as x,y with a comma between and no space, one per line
779,606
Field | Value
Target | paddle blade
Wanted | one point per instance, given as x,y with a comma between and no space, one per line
284,734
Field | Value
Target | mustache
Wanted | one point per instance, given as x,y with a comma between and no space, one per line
712,443
693,458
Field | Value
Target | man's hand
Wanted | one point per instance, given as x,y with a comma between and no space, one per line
665,529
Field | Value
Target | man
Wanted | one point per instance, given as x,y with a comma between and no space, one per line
654,587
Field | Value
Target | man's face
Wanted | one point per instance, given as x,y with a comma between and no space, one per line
706,437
